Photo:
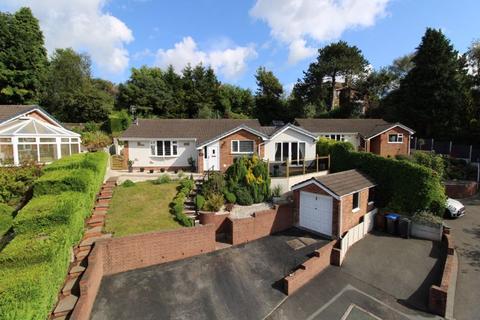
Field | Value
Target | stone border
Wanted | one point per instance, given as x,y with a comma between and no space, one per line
441,298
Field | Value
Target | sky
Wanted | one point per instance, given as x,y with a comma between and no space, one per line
235,37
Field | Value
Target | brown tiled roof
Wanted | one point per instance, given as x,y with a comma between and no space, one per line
365,127
201,129
345,182
9,111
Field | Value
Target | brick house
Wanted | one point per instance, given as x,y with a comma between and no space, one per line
334,203
212,144
371,135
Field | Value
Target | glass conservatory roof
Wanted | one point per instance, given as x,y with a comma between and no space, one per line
32,127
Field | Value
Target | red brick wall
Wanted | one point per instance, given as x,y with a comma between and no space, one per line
200,160
461,190
315,189
262,224
218,220
125,154
226,156
309,269
143,250
349,218
379,145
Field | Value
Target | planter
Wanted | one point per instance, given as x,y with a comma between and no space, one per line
150,171
162,170
142,169
130,169
429,232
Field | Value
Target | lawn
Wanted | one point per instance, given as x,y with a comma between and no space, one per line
141,208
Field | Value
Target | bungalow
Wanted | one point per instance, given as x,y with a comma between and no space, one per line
371,135
212,144
29,133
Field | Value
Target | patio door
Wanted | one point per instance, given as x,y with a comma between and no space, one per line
212,160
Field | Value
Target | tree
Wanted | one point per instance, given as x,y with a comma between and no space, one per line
269,104
434,97
235,102
69,92
23,58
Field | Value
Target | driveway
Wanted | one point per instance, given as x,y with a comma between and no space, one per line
235,283
466,233
382,277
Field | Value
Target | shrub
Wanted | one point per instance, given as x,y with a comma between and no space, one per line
401,184
199,201
214,184
427,218
128,183
244,197
277,191
230,197
15,182
95,161
6,218
164,178
119,121
187,185
55,182
430,160
181,174
324,146
214,202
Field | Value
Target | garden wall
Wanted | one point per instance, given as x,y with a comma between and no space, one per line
261,224
309,269
220,221
460,189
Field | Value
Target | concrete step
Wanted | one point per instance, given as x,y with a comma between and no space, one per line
76,271
81,255
65,306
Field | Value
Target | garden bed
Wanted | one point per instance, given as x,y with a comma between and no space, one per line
141,208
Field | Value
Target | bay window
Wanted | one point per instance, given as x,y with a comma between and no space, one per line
243,146
164,148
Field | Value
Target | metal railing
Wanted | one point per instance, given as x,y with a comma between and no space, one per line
285,169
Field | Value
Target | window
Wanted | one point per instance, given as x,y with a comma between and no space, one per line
291,151
336,137
48,152
163,148
242,146
395,138
356,201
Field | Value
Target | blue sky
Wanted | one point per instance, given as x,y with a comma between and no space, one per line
236,37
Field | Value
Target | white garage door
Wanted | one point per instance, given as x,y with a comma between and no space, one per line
316,212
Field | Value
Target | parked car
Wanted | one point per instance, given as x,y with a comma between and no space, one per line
454,208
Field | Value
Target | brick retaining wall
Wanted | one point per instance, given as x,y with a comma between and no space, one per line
309,269
261,224
219,220
461,189
439,296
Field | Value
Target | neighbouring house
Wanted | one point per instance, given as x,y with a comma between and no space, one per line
333,204
29,133
212,144
372,135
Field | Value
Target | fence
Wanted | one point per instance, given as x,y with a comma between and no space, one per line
357,233
279,169
469,152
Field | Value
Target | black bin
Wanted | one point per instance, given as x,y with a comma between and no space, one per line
392,220
404,227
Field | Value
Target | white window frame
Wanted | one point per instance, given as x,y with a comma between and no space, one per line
399,138
238,147
357,208
299,160
336,137
154,148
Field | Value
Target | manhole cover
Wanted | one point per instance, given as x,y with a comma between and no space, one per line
295,244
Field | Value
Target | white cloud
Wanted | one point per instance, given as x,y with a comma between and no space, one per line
230,62
296,22
83,25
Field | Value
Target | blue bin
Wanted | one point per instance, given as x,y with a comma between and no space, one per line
391,222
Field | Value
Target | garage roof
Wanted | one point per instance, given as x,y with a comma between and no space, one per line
340,183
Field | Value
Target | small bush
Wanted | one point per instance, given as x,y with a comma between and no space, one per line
230,197
277,191
244,197
199,201
15,182
164,178
215,184
187,184
214,203
427,218
128,184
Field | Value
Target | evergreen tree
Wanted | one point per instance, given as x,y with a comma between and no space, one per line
434,97
23,58
269,103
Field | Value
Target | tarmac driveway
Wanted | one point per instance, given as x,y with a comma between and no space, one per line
466,236
235,283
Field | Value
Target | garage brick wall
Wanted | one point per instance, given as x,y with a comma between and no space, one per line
379,145
226,156
349,218
315,189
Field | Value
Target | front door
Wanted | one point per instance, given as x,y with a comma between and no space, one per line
213,158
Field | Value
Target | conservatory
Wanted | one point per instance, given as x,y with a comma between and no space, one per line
30,139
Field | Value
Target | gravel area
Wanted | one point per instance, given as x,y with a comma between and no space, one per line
240,212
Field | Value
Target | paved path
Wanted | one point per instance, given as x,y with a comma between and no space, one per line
466,232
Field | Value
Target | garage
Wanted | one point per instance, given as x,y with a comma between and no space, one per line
316,212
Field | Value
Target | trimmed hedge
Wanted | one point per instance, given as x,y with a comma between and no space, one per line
403,186
6,218
34,264
185,187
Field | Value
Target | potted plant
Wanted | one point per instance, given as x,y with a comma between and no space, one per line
276,194
130,165
150,171
162,170
142,169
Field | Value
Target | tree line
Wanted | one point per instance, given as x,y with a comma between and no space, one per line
435,89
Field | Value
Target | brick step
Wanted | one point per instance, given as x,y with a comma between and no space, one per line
65,306
106,189
101,206
93,232
76,271
95,222
102,213
71,284
105,196
87,243
103,201
80,256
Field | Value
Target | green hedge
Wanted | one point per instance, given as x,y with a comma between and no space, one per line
6,218
33,265
403,186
